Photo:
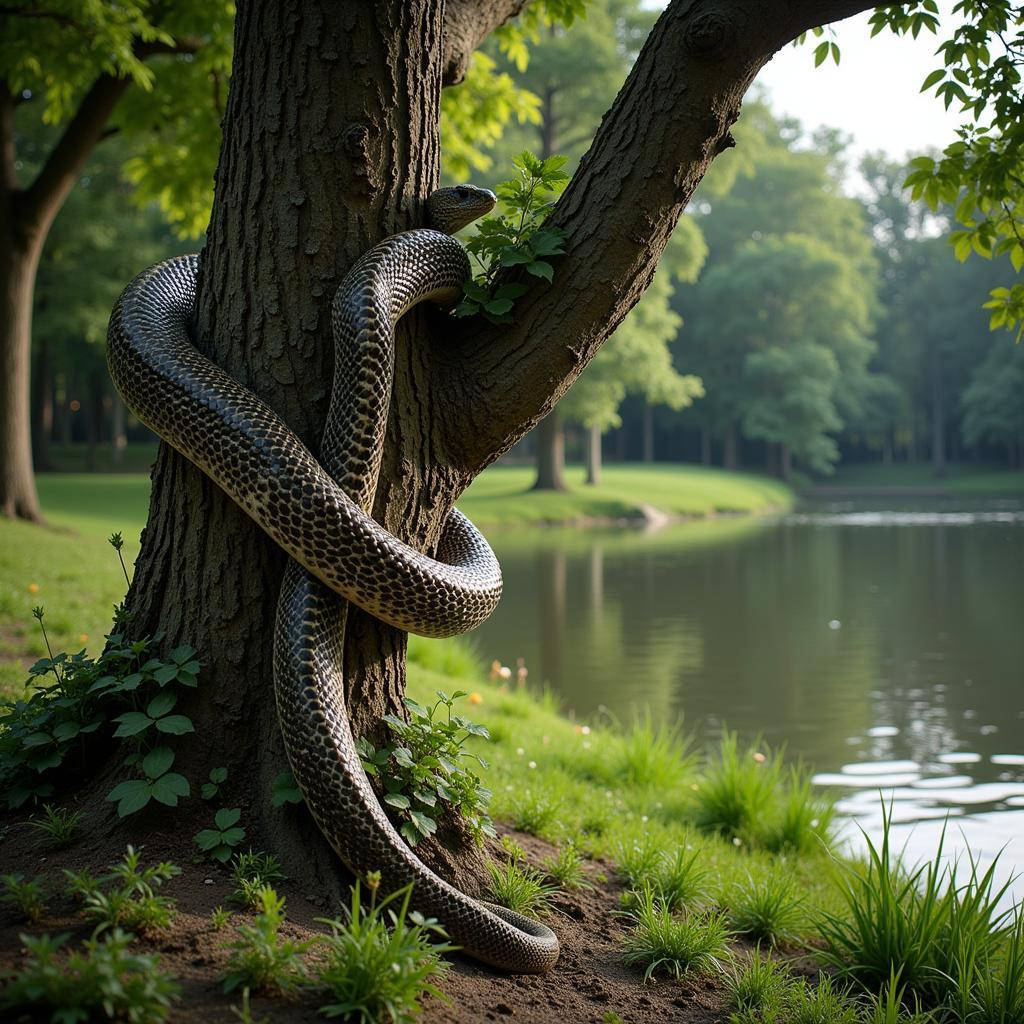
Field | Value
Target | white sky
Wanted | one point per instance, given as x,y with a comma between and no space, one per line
873,95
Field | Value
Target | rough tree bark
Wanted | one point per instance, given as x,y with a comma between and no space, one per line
330,145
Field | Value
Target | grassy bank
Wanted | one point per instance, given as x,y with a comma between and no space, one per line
961,478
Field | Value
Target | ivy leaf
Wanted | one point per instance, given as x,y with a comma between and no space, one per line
132,796
158,761
399,800
132,723
226,817
161,704
176,725
168,788
540,268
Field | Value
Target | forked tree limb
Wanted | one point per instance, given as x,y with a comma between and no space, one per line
467,23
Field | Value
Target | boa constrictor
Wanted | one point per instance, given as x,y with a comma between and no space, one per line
318,511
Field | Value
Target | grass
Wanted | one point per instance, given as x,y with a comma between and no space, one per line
502,495
766,909
57,825
521,889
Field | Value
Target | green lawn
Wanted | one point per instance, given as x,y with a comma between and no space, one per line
502,497
960,478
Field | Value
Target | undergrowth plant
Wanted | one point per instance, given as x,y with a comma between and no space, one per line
127,897
565,869
104,980
57,824
757,988
252,872
515,237
664,943
260,957
427,766
768,909
220,841
676,879
520,888
380,961
126,692
27,896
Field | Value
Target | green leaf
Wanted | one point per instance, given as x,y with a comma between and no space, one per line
820,53
426,825
936,76
168,788
37,739
226,817
219,775
176,725
399,800
132,723
233,836
161,703
157,761
182,654
539,268
132,796
207,839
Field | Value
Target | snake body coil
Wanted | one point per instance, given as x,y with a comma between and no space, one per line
318,511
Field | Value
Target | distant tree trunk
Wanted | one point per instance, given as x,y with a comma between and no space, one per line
705,446
94,419
62,409
730,446
593,456
42,409
785,462
118,436
887,446
550,453
648,424
938,410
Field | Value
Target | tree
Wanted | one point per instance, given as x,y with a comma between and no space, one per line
992,407
636,359
98,70
331,144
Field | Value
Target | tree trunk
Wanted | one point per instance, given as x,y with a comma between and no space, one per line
705,446
730,445
593,456
19,260
550,453
42,409
938,411
785,462
118,435
648,422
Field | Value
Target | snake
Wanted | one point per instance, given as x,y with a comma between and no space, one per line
318,509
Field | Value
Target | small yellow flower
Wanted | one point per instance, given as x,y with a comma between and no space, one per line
33,588
475,698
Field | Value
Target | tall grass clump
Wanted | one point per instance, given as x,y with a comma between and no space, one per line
521,889
767,909
737,789
803,819
381,960
823,1003
649,756
940,934
662,943
757,988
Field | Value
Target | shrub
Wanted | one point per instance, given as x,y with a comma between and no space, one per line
380,961
105,981
426,763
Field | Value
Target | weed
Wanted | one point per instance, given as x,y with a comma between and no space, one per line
736,789
220,841
648,756
252,872
259,957
611,1017
767,910
244,1012
285,790
521,889
822,1003
998,994
758,987
803,818
920,922
57,824
217,778
103,982
534,813
427,762
639,860
27,896
219,918
665,944
680,881
380,965
127,896
512,848
566,869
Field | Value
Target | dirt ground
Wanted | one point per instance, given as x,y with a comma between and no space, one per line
589,980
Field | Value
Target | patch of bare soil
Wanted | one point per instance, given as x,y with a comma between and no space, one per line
589,980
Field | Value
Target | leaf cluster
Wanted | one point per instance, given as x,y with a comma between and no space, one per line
220,841
125,692
102,981
426,766
253,872
27,895
127,897
516,237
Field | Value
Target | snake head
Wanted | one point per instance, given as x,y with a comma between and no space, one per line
450,209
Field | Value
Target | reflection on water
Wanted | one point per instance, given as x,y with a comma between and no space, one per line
885,648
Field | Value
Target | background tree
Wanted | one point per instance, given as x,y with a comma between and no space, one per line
154,76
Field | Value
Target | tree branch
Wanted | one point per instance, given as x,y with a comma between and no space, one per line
467,23
670,119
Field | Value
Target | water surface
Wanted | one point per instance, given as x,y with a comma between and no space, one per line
884,646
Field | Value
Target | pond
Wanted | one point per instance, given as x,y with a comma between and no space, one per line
885,647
